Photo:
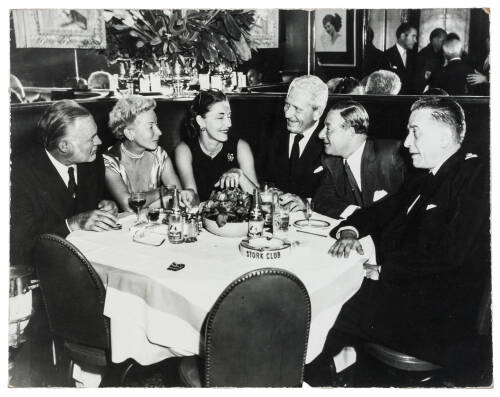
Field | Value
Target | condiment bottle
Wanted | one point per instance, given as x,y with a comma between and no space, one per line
256,220
175,221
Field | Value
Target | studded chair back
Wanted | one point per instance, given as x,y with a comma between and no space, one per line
257,331
72,292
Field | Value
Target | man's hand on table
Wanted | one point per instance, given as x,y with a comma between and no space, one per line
345,244
294,202
95,220
108,206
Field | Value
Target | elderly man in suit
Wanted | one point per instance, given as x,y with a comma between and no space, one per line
359,170
400,58
57,187
293,158
432,243
453,77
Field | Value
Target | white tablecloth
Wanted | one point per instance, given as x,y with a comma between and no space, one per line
157,313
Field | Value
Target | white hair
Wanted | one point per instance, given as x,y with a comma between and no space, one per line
314,86
383,82
452,49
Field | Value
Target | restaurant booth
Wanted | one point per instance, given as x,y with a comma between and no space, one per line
257,114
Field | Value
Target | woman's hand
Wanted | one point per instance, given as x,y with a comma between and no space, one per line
230,178
189,198
476,78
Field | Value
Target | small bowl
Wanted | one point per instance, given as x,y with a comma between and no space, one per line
230,229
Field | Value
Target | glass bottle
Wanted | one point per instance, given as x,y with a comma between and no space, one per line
175,221
256,220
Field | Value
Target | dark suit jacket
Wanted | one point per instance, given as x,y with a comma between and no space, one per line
382,168
303,181
40,202
394,63
434,262
453,78
427,61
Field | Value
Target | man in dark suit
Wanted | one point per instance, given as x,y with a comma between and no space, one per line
56,188
429,59
400,58
358,170
453,77
293,158
432,243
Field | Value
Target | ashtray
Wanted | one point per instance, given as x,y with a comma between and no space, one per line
268,248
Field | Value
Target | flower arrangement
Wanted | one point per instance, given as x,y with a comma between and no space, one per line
209,37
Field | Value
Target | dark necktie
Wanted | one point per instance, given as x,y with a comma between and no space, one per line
353,184
72,187
294,155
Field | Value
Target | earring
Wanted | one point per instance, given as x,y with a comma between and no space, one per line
203,129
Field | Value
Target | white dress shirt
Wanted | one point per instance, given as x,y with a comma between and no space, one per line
303,142
402,53
354,161
62,169
63,172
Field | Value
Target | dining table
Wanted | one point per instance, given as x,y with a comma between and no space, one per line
157,297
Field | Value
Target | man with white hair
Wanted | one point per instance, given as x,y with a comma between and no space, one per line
293,158
383,82
453,77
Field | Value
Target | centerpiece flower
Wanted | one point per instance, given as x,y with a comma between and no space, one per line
209,37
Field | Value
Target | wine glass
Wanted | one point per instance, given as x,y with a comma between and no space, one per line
136,201
308,211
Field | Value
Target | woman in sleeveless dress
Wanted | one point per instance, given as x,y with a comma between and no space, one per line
209,156
136,163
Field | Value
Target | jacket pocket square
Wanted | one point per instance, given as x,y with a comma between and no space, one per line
317,170
430,206
378,194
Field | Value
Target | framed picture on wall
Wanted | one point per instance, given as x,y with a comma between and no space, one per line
59,28
335,37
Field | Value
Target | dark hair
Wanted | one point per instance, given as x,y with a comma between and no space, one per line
201,105
354,115
403,28
452,36
444,110
52,125
436,33
335,21
346,85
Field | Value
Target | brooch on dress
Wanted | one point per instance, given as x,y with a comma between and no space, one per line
230,157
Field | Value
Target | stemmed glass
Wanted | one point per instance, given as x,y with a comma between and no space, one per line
308,211
136,201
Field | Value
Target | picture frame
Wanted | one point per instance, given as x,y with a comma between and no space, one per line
265,32
59,28
335,38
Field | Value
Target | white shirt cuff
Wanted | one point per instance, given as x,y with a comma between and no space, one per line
351,228
348,211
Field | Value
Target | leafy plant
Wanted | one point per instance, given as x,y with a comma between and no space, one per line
211,37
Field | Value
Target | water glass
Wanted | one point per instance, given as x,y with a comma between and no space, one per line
281,220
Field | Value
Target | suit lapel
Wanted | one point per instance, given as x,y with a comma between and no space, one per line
369,177
313,150
51,184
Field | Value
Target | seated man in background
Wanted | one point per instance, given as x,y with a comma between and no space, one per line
292,158
433,245
359,170
56,188
345,85
453,77
383,82
99,80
